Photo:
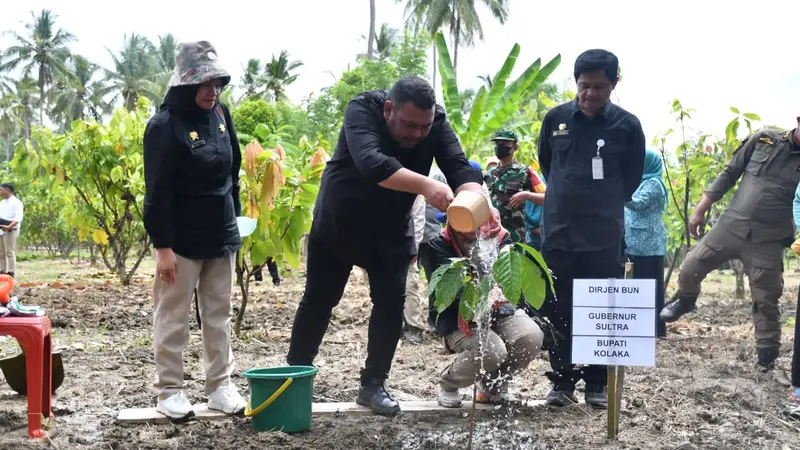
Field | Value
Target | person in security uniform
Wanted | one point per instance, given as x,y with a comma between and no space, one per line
756,227
511,184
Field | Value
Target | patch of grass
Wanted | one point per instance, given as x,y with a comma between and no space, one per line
44,270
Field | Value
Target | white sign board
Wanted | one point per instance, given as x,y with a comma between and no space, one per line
614,322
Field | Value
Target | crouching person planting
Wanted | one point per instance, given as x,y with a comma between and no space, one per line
484,323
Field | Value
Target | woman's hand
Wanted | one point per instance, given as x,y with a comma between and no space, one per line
166,265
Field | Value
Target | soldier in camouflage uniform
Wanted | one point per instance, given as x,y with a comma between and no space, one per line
755,227
511,184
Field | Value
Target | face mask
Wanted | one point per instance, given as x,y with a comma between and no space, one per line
502,151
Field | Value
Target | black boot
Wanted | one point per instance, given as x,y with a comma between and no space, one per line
374,395
562,394
766,358
596,396
675,310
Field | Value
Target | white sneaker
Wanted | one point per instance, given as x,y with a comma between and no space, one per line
226,399
448,397
176,406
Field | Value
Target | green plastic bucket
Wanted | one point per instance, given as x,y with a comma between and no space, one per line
280,398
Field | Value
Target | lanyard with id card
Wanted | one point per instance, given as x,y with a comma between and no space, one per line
597,162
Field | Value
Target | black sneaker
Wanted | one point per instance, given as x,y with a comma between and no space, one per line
596,396
675,310
375,396
276,281
562,394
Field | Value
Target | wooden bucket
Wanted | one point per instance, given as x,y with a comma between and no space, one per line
468,211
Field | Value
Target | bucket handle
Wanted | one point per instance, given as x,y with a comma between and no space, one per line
252,412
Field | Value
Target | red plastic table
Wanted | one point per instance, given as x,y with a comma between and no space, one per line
34,336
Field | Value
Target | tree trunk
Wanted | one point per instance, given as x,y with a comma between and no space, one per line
435,67
243,280
92,255
41,105
455,45
371,38
672,267
738,270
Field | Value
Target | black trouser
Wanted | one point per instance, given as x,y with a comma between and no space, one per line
567,266
271,266
796,350
327,271
649,268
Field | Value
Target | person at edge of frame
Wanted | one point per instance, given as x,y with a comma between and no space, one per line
755,227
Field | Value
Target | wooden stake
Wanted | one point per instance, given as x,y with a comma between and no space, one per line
616,378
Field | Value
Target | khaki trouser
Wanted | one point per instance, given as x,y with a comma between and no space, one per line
415,311
214,280
763,264
513,342
8,248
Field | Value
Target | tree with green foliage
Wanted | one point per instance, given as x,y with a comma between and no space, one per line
46,204
460,16
43,49
288,122
326,110
279,189
494,108
80,95
696,161
278,74
135,68
167,49
103,167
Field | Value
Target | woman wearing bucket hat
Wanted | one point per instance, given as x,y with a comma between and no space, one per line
191,162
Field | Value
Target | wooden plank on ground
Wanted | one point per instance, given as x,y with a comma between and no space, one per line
352,409
202,413
149,415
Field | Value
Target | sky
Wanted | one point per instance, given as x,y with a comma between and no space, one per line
710,55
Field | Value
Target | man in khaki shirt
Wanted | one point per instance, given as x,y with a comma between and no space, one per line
755,227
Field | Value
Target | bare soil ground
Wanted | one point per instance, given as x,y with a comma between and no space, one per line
704,394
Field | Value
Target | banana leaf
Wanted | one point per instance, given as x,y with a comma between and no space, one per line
499,82
451,97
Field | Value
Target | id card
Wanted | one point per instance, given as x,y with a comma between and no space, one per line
597,168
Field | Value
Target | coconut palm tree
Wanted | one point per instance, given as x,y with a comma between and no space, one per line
371,38
82,94
277,75
44,49
460,16
385,42
10,123
135,71
23,99
167,48
252,79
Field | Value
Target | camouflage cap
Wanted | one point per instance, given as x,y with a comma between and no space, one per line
505,135
196,63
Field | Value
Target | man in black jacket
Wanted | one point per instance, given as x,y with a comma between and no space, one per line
363,217
591,153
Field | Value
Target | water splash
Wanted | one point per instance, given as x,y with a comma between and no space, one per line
483,255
